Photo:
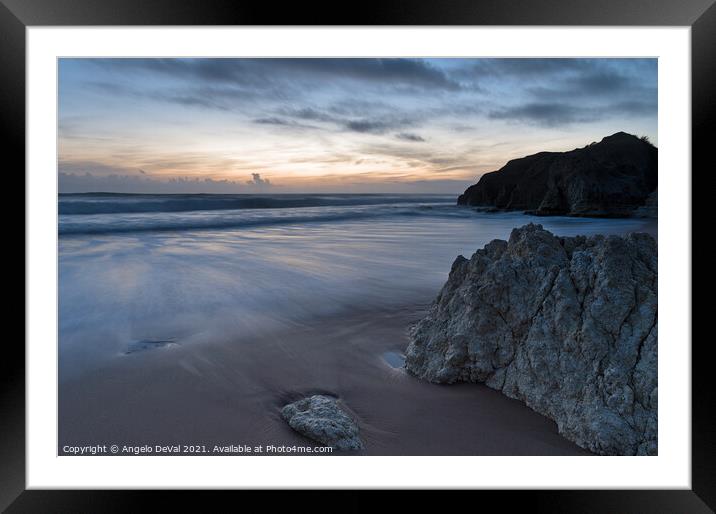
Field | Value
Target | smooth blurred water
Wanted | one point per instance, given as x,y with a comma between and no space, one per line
120,290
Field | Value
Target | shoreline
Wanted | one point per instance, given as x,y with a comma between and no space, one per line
230,393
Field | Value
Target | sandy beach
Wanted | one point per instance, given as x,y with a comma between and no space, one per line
231,392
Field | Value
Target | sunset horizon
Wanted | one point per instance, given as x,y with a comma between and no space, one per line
298,126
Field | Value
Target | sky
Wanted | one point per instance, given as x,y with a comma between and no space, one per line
333,125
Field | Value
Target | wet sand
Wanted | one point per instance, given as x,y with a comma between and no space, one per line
231,392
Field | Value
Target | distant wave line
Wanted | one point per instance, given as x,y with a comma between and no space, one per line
127,204
71,228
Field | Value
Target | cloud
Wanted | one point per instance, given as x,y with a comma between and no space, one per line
547,114
408,136
256,180
309,113
525,67
272,121
378,123
281,122
370,126
549,68
193,100
224,98
209,70
438,160
558,91
414,72
251,85
274,91
259,72
600,85
600,82
82,167
122,183
553,114
636,107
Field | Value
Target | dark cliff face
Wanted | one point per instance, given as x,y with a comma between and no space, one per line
609,178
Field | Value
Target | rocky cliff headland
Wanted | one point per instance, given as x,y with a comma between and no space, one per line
611,178
568,325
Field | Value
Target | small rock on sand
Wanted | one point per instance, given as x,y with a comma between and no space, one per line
320,418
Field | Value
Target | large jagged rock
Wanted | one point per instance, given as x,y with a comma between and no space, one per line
320,418
566,324
611,178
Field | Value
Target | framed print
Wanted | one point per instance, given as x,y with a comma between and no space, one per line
405,250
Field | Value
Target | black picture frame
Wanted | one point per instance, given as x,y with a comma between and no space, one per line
17,15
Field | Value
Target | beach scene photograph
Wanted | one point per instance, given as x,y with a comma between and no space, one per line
357,256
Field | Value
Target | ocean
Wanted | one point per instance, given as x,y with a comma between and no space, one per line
213,303
183,268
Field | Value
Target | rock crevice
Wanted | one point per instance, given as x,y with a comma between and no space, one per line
567,325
